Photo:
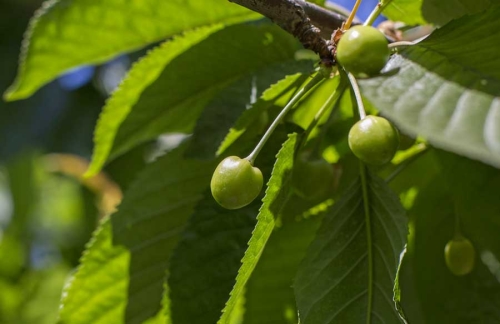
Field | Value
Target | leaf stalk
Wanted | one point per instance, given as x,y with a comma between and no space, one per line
320,76
376,12
332,100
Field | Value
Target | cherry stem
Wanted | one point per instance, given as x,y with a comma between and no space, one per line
322,74
376,12
357,94
334,97
349,20
458,232
336,105
421,150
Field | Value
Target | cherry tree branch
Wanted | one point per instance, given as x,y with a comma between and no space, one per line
297,17
327,21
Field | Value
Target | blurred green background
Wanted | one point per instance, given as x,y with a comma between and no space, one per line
47,210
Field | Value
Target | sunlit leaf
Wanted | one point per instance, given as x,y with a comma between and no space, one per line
96,293
407,11
446,91
68,33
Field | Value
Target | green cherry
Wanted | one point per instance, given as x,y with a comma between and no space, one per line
363,51
312,177
459,255
374,140
236,183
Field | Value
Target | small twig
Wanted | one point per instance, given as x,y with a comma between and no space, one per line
352,15
326,20
421,150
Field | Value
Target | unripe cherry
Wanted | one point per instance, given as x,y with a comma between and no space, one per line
236,183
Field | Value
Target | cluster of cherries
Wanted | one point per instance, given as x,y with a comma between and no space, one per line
362,51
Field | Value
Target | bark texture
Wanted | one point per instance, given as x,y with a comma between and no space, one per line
312,25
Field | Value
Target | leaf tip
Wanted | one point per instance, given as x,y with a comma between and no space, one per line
92,170
11,94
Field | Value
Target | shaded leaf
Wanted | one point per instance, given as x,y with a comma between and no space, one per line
150,221
447,88
269,296
137,113
200,283
430,293
278,190
147,226
207,260
68,33
235,104
441,12
336,282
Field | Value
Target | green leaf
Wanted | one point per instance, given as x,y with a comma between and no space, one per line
441,12
277,95
22,185
246,98
207,259
407,11
200,283
430,293
269,296
96,293
446,91
150,221
140,77
139,112
337,283
305,111
145,229
277,193
68,33
397,289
